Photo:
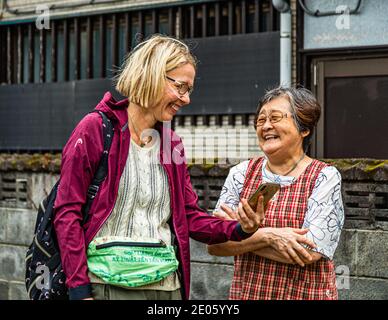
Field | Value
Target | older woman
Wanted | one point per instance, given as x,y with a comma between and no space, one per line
290,256
135,244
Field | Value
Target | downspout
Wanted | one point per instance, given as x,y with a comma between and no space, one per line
285,41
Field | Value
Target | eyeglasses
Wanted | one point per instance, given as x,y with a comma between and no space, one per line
274,116
182,87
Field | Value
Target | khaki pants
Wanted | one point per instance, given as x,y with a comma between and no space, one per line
109,292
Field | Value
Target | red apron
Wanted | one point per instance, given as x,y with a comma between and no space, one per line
257,278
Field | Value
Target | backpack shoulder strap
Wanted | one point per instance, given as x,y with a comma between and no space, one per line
102,169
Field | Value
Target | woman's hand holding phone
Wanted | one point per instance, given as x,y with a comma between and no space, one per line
248,217
250,212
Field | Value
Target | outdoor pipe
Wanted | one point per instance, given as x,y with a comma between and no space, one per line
285,41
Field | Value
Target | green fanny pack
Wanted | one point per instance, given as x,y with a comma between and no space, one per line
131,264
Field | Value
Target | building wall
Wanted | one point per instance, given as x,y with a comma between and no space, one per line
63,8
17,222
246,135
226,143
367,28
361,257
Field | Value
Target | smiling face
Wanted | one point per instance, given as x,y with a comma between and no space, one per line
172,101
280,138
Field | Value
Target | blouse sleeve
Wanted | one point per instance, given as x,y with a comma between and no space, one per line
231,190
325,213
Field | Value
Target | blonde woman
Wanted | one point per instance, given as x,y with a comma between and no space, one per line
135,243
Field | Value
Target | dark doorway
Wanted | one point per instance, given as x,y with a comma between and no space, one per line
354,96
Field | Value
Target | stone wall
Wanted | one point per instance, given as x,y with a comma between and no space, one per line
18,208
363,252
361,258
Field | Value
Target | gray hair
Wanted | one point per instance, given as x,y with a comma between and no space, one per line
305,108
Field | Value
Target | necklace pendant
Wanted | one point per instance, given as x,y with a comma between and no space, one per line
146,142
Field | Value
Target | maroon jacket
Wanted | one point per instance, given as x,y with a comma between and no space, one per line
79,162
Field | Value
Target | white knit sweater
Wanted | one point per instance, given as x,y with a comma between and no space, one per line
142,207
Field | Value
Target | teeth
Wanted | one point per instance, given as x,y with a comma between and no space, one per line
176,108
270,137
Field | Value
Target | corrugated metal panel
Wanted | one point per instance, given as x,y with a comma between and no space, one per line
25,11
41,116
233,72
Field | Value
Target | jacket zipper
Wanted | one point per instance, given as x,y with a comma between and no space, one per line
116,187
159,244
182,280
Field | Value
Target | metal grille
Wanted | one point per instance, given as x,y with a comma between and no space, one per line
365,203
226,93
208,190
13,190
94,46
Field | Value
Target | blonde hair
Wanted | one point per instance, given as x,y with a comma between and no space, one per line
142,77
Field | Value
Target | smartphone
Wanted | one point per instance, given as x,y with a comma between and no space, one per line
268,190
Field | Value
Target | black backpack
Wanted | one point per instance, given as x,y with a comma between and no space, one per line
44,278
